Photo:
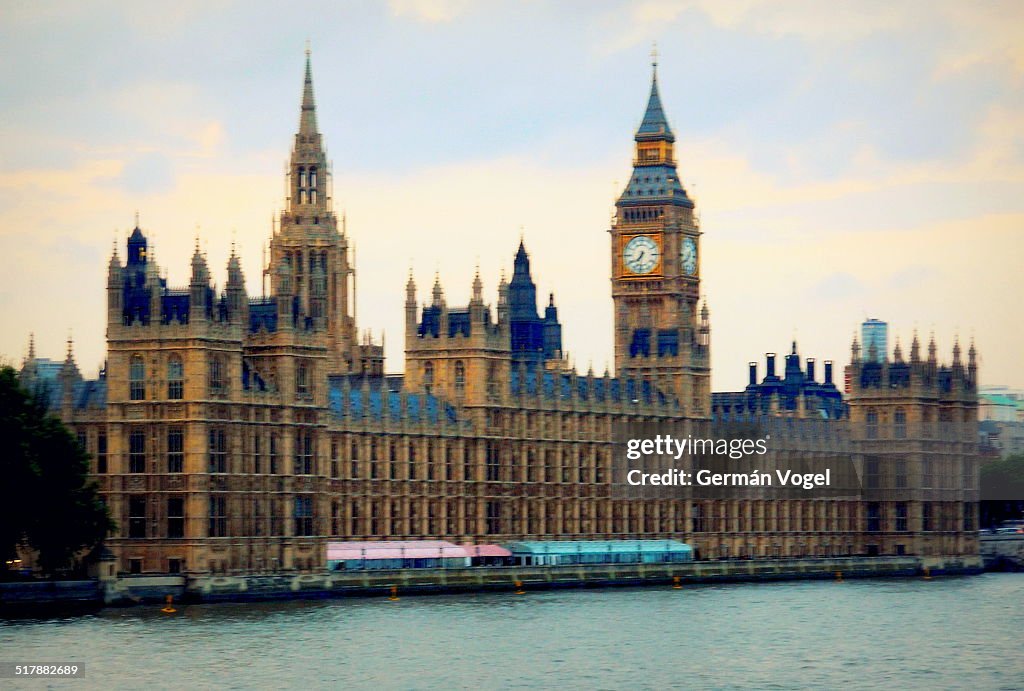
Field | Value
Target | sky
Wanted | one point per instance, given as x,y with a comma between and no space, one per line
848,160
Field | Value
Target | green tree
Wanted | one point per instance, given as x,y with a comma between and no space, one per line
46,500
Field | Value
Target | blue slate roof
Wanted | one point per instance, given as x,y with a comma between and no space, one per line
655,183
654,126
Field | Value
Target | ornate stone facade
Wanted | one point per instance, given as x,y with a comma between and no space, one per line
238,434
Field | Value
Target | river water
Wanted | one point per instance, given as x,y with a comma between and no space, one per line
906,633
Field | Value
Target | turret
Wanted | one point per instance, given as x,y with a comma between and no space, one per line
915,350
29,369
855,351
115,289
704,331
410,305
552,330
69,377
437,295
199,287
972,365
502,299
154,289
932,359
897,354
478,288
476,302
238,300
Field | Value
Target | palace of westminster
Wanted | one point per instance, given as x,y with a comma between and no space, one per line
233,434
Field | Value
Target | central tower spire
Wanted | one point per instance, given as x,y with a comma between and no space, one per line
309,258
307,119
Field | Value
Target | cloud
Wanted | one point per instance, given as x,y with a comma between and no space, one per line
429,11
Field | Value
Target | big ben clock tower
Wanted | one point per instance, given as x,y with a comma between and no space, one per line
660,335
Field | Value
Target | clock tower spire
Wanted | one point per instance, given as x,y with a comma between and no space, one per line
655,241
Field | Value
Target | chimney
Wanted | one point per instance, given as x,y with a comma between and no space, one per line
771,365
828,372
753,373
810,369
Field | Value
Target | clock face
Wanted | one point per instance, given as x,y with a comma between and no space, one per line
688,256
641,255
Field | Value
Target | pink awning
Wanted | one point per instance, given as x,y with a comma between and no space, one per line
486,550
394,549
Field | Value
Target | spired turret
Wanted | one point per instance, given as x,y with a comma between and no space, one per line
200,298
237,299
115,289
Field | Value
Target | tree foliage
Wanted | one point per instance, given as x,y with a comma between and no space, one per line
46,502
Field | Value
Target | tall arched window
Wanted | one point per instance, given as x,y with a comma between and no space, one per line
302,379
872,425
175,378
428,375
302,178
460,376
137,379
312,177
899,419
216,374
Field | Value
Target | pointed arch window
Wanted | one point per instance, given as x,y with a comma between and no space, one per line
872,424
302,380
900,423
137,379
175,378
428,376
216,374
302,177
460,376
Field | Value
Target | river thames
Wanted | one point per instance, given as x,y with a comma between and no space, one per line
908,633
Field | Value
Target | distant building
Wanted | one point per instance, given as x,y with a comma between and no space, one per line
874,336
1000,439
1000,403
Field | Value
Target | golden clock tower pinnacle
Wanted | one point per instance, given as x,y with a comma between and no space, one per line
660,335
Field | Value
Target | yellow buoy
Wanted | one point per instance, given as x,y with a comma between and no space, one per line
839,576
676,585
519,588
927,574
168,608
394,593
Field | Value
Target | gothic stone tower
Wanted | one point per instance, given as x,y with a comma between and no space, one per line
914,425
465,355
308,242
655,250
